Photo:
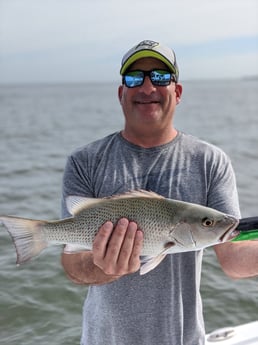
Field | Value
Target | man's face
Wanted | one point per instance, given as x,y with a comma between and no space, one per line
149,107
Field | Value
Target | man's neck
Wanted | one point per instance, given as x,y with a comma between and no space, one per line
148,140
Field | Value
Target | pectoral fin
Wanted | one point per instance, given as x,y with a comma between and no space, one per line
74,248
155,261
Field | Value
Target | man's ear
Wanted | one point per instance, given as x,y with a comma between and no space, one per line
120,93
179,91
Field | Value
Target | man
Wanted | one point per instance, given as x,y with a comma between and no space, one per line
164,306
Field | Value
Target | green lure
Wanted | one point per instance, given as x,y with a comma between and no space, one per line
248,228
246,236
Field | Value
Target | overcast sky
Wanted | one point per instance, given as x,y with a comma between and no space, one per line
84,40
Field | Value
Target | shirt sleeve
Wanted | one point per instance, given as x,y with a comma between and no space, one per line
74,183
222,192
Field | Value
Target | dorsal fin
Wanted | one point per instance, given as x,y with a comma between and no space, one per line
76,203
139,193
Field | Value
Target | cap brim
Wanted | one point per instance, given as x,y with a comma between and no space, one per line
145,54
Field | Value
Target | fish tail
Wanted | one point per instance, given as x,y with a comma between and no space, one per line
27,235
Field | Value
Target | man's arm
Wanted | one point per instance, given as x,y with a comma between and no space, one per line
116,252
238,260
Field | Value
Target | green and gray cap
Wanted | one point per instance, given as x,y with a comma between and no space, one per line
152,49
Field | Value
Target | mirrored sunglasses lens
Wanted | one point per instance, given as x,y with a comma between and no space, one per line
159,77
133,79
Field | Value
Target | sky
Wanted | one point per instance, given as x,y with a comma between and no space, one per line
84,40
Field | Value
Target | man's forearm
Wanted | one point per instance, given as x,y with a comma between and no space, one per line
80,269
239,259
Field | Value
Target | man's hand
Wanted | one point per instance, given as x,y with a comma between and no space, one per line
116,250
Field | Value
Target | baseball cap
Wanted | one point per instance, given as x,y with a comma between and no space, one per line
153,49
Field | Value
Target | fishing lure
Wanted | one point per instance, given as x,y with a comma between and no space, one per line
248,228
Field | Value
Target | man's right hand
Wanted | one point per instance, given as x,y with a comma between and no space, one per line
116,249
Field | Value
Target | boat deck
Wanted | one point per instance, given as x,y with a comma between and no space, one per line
246,334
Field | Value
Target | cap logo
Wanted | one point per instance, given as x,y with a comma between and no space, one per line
147,44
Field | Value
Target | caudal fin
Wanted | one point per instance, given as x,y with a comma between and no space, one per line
27,236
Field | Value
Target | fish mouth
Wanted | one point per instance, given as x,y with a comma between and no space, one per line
231,233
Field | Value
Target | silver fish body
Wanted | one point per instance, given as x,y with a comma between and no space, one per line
169,226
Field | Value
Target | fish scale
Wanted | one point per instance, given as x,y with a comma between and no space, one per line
83,228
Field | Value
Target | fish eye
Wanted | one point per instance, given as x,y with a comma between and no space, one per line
208,222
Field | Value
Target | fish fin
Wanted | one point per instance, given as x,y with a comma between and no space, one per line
27,236
74,248
76,203
150,264
139,193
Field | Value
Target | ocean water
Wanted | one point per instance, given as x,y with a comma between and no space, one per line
40,126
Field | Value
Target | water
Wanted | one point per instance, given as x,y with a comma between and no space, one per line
40,126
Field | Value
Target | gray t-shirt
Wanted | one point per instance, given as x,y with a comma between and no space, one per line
164,306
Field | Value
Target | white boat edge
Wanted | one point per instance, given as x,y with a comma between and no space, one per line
245,334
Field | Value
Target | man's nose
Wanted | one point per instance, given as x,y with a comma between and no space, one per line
147,87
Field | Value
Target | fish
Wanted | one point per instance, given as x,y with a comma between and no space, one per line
169,226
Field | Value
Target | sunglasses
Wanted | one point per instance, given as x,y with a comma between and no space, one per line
158,77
